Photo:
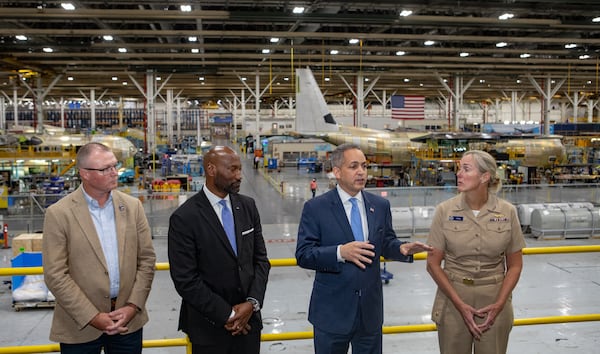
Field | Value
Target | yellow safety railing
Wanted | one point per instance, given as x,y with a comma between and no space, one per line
284,262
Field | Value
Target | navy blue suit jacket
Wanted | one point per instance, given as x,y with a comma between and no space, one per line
341,289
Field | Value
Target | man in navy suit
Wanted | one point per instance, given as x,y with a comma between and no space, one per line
220,271
342,234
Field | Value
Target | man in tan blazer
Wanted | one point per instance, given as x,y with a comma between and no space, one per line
98,261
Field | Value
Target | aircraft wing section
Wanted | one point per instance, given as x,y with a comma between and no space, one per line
312,114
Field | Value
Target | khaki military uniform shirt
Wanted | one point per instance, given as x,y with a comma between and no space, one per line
476,246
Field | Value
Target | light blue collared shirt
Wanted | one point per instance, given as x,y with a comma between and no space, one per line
106,228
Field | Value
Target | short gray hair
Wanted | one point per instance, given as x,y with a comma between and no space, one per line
337,156
86,150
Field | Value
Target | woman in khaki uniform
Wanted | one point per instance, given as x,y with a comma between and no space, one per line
479,238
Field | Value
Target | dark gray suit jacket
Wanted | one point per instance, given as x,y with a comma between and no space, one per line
206,272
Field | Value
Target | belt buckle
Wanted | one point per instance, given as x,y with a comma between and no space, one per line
468,281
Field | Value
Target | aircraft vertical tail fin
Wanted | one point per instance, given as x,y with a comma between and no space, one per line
312,114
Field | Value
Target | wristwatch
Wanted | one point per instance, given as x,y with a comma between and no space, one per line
255,304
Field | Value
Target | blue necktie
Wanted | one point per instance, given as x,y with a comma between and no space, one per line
355,221
228,225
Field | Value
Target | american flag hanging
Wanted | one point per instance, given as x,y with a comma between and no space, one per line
408,107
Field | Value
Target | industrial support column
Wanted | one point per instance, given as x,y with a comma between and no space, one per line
547,94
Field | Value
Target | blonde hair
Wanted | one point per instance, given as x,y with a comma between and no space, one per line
486,163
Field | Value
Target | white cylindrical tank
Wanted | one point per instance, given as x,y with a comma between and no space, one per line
422,219
525,210
565,222
402,220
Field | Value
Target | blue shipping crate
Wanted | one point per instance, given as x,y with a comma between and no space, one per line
25,259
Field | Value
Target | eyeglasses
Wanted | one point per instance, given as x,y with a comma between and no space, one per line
106,170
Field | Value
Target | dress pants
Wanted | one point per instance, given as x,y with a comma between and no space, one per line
130,343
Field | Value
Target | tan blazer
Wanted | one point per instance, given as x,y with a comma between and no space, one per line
75,268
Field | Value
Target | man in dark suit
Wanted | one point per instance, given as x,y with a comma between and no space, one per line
220,275
342,234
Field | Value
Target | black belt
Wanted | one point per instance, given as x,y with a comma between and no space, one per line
113,303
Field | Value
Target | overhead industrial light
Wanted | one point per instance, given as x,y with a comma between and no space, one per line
327,79
201,78
400,53
333,51
353,41
67,6
584,56
596,19
274,40
47,50
193,39
464,54
158,78
195,50
405,13
124,83
114,78
501,44
107,37
122,50
21,37
429,43
524,55
70,78
266,51
407,80
298,10
506,16
185,8
570,45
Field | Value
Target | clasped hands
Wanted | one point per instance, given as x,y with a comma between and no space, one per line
489,313
114,322
361,252
238,323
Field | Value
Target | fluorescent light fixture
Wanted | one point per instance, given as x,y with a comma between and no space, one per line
67,6
524,55
21,37
114,78
47,50
464,54
193,39
122,50
400,52
501,44
286,79
158,78
506,16
108,37
201,78
589,82
298,10
274,40
185,8
353,41
429,43
243,79
124,83
570,46
195,50
333,51
584,56
518,81
266,51
407,80
70,78
405,13
366,79
596,19
327,79
481,81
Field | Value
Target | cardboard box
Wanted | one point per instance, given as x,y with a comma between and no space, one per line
26,243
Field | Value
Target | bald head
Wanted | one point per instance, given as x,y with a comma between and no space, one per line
223,169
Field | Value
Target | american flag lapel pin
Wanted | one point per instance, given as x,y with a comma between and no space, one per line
371,210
